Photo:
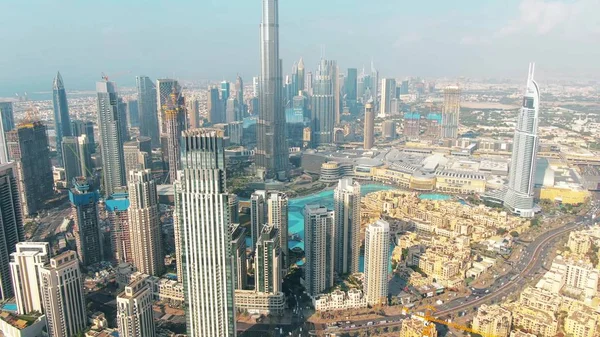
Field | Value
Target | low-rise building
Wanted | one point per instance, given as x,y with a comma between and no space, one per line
539,322
14,326
416,327
581,324
492,320
579,243
259,302
340,300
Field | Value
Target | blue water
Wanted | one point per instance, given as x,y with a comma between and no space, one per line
171,276
10,307
435,196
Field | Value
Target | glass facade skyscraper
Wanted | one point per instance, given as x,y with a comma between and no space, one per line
323,103
148,114
62,122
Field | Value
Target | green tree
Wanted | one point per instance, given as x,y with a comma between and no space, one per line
514,234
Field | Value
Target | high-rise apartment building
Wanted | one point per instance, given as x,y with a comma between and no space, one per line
388,92
84,203
7,116
111,137
519,195
202,213
214,106
135,157
134,310
369,128
238,249
25,264
351,84
267,260
301,76
319,248
270,207
450,112
174,114
164,88
225,89
62,295
492,320
412,125
144,224
323,103
122,110
239,88
346,209
193,112
77,159
28,148
147,109
258,214
377,250
271,151
232,110
62,122
80,128
12,226
133,115
117,207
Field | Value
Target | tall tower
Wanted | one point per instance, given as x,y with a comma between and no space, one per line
28,148
144,223
323,103
111,137
519,196
272,150
369,125
388,92
377,247
12,226
7,116
258,214
268,261
346,208
80,128
62,123
214,106
174,114
202,215
301,76
147,110
319,248
239,87
25,264
164,88
84,203
238,249
451,112
277,216
117,210
62,295
134,310
77,159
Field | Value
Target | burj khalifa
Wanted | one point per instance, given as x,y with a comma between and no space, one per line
519,196
272,151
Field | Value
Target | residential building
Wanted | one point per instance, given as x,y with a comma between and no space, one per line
492,320
270,207
80,128
25,264
267,261
86,225
164,88
202,213
416,327
412,125
346,209
147,109
28,148
260,303
319,248
133,117
7,116
519,195
271,149
144,224
579,243
134,310
111,138
16,326
377,250
258,216
62,295
173,112
340,300
77,159
12,226
238,259
369,128
582,324
214,106
62,122
117,207
450,112
323,103
193,112
388,92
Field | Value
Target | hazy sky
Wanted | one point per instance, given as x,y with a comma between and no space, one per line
215,39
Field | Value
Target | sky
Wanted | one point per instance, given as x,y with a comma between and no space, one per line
217,39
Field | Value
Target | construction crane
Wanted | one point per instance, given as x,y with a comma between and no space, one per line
105,76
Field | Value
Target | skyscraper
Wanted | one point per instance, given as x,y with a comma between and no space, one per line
80,128
239,87
7,115
238,258
62,123
147,109
134,310
12,226
351,84
258,214
451,112
111,140
272,151
25,264
369,125
388,92
519,196
164,88
268,261
62,295
117,210
319,248
133,116
144,224
135,157
202,213
255,86
84,203
28,148
174,114
308,83
225,90
377,247
77,159
337,79
122,109
301,76
270,208
346,209
323,103
214,106
232,110
193,111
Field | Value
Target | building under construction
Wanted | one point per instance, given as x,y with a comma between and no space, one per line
450,112
175,122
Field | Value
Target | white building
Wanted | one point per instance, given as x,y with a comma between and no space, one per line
24,267
12,326
134,310
339,300
377,247
62,295
202,213
347,226
319,248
